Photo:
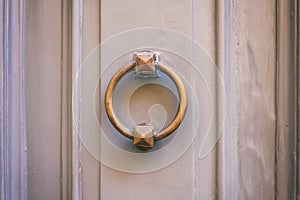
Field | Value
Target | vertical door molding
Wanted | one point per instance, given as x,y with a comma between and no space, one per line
286,100
76,63
227,149
13,167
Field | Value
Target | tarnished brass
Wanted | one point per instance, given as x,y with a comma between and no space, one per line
145,65
108,101
142,135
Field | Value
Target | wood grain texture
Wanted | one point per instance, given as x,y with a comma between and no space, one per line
255,62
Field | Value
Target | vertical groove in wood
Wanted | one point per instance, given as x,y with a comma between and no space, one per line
61,105
3,130
13,170
69,95
99,97
298,99
286,100
76,63
2,135
66,102
218,61
276,106
298,94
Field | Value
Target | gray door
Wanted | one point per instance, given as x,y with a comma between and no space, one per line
255,47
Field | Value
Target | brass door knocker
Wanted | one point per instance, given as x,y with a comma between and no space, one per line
146,65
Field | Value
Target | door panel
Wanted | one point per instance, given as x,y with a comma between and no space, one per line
180,180
256,63
43,65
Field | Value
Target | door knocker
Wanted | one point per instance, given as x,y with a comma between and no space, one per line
146,65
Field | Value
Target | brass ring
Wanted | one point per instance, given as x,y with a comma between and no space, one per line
142,135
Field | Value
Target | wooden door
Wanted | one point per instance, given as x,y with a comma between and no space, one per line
254,44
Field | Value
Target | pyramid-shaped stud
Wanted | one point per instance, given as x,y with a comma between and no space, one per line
145,64
143,136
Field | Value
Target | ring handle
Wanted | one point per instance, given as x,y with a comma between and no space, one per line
146,65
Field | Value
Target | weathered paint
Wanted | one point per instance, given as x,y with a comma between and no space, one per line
254,45
256,66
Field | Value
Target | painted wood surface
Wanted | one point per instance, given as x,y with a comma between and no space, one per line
256,65
254,44
13,150
43,85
